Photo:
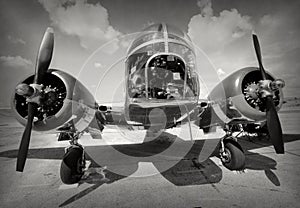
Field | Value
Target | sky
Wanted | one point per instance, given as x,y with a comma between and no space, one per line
91,36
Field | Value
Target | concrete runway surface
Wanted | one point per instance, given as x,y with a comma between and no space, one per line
269,180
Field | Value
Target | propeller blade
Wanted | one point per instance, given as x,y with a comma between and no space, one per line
42,64
23,149
273,122
44,55
258,55
274,126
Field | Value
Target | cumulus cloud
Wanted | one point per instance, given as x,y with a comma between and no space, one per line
220,30
226,39
15,62
88,22
205,7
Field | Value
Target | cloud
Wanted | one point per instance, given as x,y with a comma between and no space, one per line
205,7
88,22
15,40
226,39
219,30
15,62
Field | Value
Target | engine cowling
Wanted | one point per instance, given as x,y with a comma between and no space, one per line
66,99
239,100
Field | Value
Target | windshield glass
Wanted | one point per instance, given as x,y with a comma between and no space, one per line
135,73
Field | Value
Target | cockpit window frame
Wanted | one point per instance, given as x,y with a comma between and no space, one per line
161,41
167,34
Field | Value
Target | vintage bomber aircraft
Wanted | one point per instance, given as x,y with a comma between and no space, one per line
160,74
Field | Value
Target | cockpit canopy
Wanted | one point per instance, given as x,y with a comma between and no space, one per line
161,61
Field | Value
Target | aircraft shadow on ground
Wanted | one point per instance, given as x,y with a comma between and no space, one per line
256,161
184,172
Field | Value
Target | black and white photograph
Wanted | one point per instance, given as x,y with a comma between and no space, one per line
150,103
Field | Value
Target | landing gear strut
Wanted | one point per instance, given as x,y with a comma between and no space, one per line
73,163
231,153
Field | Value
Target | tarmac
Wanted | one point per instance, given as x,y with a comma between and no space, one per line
139,179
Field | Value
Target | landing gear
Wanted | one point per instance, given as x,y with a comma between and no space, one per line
73,163
231,154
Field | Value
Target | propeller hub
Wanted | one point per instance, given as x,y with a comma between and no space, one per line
264,88
277,84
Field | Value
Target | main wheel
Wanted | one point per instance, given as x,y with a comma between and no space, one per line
233,157
72,165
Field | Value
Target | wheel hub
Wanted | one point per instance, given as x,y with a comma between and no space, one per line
226,156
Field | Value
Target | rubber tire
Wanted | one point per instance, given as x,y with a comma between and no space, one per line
237,161
70,172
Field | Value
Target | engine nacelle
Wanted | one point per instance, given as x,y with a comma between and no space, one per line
239,100
66,99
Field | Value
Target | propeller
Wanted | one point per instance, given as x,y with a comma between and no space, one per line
273,122
43,60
